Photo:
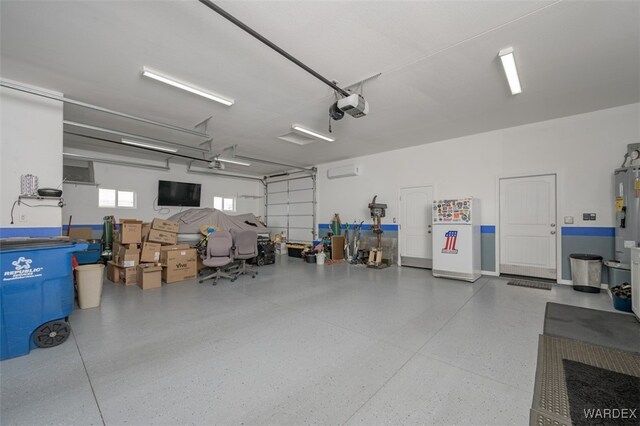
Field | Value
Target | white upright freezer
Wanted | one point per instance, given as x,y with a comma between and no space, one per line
456,239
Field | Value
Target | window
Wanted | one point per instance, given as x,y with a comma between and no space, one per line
113,198
126,199
224,204
106,197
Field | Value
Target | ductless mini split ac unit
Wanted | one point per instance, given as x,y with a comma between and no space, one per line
343,171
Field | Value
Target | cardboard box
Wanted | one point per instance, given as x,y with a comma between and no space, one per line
81,233
146,227
129,276
150,252
149,276
337,247
128,255
162,237
113,272
116,247
130,231
165,225
179,263
182,246
119,274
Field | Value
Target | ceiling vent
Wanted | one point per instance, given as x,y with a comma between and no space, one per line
76,171
297,138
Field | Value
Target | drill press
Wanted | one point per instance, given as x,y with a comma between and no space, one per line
377,211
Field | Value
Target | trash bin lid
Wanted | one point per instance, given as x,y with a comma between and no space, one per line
30,243
584,256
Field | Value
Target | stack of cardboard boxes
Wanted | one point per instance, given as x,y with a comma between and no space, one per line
145,253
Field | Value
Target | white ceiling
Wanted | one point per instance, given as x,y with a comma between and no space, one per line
440,74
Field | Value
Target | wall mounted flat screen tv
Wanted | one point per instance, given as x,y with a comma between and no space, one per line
178,194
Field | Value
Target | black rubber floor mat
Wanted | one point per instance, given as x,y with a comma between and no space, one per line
603,328
601,397
531,284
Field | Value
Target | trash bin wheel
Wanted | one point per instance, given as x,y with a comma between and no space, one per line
260,261
52,333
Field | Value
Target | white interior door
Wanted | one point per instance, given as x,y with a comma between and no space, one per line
415,226
528,226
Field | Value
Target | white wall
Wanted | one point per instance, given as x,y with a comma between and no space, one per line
30,142
583,149
82,200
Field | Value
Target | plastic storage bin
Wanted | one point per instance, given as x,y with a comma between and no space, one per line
36,293
622,304
618,273
91,255
90,280
586,272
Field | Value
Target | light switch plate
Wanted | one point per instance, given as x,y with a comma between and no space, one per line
568,220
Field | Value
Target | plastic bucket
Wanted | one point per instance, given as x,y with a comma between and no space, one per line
320,258
622,303
89,285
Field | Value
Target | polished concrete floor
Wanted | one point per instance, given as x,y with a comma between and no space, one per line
298,344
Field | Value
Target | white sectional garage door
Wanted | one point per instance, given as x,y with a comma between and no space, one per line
290,207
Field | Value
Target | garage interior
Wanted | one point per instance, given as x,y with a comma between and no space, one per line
327,212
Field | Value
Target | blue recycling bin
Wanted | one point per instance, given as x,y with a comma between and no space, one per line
36,293
92,254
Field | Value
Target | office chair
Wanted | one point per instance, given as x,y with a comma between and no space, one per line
218,255
246,247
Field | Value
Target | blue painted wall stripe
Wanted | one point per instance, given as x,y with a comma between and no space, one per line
491,229
94,227
588,231
365,226
30,232
487,229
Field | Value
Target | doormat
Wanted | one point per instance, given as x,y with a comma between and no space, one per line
531,284
551,404
601,397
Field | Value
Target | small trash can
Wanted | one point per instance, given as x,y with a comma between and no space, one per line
90,280
586,272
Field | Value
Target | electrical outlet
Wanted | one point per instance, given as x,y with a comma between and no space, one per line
568,220
22,217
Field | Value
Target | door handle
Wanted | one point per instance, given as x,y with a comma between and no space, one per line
553,232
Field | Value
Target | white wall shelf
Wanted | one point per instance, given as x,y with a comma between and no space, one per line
37,197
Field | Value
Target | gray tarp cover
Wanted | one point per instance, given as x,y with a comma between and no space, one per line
191,220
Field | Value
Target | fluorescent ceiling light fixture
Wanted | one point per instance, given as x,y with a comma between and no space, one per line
510,70
189,88
146,145
312,133
240,163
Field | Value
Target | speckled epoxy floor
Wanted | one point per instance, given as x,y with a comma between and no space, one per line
299,344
